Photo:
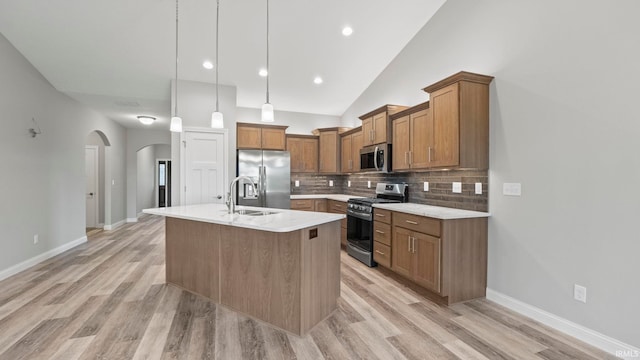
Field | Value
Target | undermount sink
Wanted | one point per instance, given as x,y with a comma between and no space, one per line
254,212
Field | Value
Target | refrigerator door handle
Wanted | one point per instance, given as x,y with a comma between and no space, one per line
264,186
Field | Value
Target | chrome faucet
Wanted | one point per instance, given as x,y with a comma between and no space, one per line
230,204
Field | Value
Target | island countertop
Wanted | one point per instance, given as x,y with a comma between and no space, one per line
282,221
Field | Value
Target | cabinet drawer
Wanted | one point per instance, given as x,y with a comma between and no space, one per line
337,207
382,254
382,215
422,224
382,232
302,204
320,205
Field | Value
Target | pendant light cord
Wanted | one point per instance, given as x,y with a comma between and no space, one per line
176,94
268,71
217,28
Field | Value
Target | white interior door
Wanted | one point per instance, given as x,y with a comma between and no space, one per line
91,193
204,167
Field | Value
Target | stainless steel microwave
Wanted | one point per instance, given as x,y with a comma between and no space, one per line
376,158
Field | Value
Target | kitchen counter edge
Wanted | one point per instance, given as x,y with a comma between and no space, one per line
437,212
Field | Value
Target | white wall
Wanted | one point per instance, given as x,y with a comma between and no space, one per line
299,123
43,182
94,139
565,124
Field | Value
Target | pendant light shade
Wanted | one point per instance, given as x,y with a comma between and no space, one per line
176,121
217,120
267,108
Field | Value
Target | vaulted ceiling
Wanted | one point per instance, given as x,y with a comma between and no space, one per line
117,56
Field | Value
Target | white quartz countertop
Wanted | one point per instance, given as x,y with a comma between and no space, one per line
338,197
282,221
437,212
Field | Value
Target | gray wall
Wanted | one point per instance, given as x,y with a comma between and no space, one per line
94,139
565,124
146,174
42,185
299,123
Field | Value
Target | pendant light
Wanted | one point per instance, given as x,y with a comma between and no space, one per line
217,120
176,121
267,108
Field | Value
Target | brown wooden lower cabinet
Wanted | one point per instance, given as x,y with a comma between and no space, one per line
302,204
382,254
339,207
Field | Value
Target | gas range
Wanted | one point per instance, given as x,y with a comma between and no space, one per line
365,204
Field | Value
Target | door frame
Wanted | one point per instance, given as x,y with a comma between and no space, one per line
155,180
183,156
96,180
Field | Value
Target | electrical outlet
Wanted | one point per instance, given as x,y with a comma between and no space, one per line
426,186
456,187
580,293
36,238
512,189
348,183
369,184
330,182
297,183
478,188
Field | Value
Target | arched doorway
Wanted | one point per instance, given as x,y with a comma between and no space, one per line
97,194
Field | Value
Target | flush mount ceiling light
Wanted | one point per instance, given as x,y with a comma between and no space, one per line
267,108
347,31
176,121
217,120
318,80
147,120
207,65
263,72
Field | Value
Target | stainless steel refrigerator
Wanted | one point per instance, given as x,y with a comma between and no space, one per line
271,174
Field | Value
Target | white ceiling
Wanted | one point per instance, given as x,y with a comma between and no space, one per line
118,56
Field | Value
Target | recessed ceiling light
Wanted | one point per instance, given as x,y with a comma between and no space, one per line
207,65
263,72
347,31
317,80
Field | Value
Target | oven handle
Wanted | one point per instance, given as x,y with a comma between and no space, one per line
359,215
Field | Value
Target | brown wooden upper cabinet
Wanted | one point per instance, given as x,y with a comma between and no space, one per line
304,153
350,150
329,148
258,136
375,124
458,127
411,129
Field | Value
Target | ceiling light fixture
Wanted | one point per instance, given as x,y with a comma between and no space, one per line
207,65
176,121
267,108
317,80
347,31
217,120
263,72
147,120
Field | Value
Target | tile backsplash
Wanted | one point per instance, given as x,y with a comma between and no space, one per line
439,194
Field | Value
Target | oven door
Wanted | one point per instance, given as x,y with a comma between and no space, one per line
360,230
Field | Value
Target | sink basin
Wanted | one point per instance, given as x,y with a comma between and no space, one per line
254,212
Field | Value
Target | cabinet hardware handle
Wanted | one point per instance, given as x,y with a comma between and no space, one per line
409,243
429,153
411,222
405,157
380,215
379,252
413,245
380,232
410,157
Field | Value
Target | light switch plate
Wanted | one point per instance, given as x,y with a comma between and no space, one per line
297,183
456,187
512,189
113,182
348,183
369,184
478,188
580,293
426,186
330,182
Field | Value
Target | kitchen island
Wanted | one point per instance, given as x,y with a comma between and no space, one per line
278,266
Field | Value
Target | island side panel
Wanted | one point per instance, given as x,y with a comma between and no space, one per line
192,251
320,273
260,275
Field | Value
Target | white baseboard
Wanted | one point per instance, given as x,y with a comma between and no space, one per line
40,258
601,341
100,225
132,220
114,226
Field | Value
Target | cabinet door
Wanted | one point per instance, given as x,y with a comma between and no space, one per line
320,205
345,154
401,256
310,155
356,145
401,143
380,128
328,157
421,131
273,139
302,204
445,147
294,147
249,137
426,264
367,131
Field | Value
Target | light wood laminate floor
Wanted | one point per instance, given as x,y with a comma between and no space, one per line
107,300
